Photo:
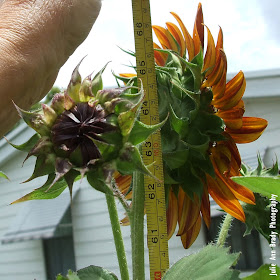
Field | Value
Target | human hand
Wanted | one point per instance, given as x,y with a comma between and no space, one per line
36,38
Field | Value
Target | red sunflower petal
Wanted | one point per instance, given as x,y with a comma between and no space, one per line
198,31
250,131
188,212
225,198
171,213
160,57
176,33
188,39
205,207
190,236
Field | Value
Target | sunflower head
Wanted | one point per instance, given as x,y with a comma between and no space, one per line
205,123
87,130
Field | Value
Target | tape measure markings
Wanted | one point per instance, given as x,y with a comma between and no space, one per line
151,150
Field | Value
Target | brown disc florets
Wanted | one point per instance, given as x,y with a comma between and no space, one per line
74,130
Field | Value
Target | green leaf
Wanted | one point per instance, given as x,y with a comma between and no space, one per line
44,192
140,131
27,146
266,271
70,276
3,175
96,273
267,186
210,263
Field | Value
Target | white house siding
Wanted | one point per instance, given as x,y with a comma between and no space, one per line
22,260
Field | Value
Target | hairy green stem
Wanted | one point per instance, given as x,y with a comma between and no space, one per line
116,229
136,217
224,230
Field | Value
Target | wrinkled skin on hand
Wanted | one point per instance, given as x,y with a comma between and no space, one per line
36,38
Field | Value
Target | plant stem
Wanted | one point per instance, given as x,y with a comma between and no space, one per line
224,230
136,217
116,229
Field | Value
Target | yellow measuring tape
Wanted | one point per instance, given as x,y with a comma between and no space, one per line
151,150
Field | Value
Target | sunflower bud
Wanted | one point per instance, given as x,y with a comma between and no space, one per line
87,133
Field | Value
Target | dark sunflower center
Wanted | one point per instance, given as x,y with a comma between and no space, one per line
74,130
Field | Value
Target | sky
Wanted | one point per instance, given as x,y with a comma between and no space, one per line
250,28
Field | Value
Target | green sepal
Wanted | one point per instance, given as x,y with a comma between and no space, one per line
209,263
85,93
197,141
35,120
43,146
3,175
97,83
258,217
191,182
44,165
176,159
50,115
130,160
127,119
140,131
195,68
180,125
42,193
70,177
27,146
108,151
75,84
96,179
62,167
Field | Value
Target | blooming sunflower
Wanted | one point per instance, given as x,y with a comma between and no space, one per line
205,124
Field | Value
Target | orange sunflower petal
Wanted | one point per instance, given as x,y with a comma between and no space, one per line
219,88
241,192
165,38
233,118
171,213
210,56
225,198
220,44
198,31
127,75
176,33
123,183
250,131
234,91
160,57
188,213
218,71
188,39
190,236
